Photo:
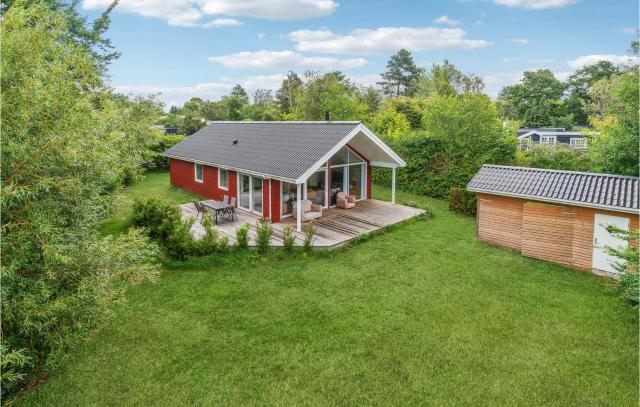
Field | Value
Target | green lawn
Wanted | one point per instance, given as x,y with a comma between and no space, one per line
420,315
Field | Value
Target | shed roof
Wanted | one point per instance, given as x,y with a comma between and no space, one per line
606,191
283,150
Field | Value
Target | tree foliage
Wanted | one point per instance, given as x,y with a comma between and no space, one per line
67,144
402,75
536,100
615,149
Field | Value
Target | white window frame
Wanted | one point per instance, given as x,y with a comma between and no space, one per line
548,140
578,142
220,186
282,214
346,173
195,172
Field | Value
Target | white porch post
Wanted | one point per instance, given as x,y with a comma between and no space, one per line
393,185
299,208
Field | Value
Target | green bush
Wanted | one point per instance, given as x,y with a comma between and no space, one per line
264,232
628,263
223,244
309,232
164,222
242,237
159,145
288,238
208,244
463,201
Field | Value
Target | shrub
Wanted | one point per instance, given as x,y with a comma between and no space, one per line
288,238
309,232
428,210
462,201
164,223
628,264
264,231
209,242
223,244
160,144
242,237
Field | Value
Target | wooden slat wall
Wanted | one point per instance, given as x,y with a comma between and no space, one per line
547,232
558,233
500,220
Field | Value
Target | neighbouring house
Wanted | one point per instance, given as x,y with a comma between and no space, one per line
560,216
551,136
270,166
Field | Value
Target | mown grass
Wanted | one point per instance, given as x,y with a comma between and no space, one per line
422,314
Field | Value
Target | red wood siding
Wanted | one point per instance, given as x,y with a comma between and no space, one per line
266,195
275,201
182,175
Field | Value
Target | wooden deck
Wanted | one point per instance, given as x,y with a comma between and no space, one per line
336,226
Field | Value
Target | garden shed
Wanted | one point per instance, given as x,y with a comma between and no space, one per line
559,216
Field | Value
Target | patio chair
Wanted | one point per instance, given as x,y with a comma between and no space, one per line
309,210
230,213
225,198
345,201
200,208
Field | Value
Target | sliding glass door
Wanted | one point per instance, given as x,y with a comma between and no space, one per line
250,193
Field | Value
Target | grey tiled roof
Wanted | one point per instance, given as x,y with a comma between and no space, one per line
615,192
278,149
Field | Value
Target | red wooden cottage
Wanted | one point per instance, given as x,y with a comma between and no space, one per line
270,165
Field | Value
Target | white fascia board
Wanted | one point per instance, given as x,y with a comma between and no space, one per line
360,128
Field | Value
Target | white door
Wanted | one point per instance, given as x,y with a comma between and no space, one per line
602,260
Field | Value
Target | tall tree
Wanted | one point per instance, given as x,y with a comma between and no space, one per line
402,75
67,145
239,92
615,148
536,100
332,92
80,32
579,84
286,95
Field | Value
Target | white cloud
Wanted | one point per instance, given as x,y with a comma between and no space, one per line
366,80
219,22
592,59
284,60
177,95
535,4
519,41
446,20
384,39
262,36
191,13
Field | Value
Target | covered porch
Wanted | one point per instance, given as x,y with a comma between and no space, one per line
336,226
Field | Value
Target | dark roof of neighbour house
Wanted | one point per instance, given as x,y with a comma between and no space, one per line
606,191
278,149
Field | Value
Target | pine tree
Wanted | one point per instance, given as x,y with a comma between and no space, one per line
402,75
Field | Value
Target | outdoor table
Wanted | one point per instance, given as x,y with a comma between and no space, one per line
218,207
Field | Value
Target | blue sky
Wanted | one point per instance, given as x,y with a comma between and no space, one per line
185,48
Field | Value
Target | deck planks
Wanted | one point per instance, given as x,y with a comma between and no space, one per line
336,226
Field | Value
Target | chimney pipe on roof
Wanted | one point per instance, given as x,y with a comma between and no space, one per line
326,115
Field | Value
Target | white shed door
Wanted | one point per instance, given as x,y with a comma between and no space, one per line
602,238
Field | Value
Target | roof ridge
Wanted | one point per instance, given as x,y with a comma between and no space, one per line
602,174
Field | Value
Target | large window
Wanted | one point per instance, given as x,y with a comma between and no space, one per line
197,169
348,173
288,198
250,193
223,178
316,184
